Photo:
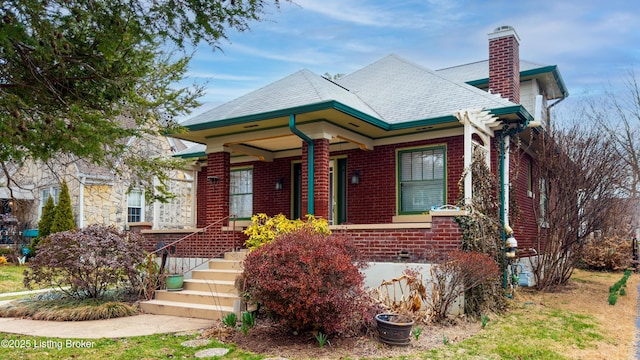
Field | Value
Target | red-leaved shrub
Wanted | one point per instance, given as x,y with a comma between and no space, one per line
85,263
308,281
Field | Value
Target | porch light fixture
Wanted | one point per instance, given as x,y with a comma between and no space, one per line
279,184
213,179
355,178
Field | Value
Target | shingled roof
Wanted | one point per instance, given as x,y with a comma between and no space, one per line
392,89
400,91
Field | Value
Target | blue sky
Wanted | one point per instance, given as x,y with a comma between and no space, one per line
594,43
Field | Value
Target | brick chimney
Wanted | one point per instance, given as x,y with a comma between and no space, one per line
504,63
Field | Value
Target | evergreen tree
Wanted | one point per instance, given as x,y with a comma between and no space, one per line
83,76
46,220
63,219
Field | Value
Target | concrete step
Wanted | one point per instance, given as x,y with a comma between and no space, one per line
209,294
220,286
222,264
215,274
198,297
162,307
236,255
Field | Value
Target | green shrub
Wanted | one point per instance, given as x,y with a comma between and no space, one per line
230,320
86,263
265,229
308,281
63,219
46,220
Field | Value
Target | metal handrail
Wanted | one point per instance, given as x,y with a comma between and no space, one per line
177,260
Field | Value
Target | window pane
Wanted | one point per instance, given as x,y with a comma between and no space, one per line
241,193
438,166
405,166
134,198
421,196
422,179
134,206
427,161
134,215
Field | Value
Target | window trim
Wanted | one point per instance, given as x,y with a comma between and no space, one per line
401,151
43,201
142,205
252,193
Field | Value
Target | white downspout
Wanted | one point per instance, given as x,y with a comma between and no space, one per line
505,177
81,203
156,207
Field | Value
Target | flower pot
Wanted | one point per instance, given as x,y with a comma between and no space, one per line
174,282
394,329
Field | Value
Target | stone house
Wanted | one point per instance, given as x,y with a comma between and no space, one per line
99,195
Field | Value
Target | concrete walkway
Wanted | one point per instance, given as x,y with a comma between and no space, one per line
138,325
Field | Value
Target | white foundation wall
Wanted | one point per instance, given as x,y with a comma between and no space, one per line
379,271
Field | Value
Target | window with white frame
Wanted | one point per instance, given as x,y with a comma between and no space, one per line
241,193
422,179
135,206
44,195
544,203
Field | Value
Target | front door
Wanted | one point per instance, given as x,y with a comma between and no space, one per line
337,192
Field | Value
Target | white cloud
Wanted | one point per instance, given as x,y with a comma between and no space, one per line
218,76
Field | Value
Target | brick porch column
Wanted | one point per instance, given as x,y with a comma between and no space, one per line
321,178
217,191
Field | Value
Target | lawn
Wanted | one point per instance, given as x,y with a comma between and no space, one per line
11,278
573,323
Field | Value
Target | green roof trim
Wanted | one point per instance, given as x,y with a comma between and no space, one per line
424,122
518,110
553,69
191,155
326,105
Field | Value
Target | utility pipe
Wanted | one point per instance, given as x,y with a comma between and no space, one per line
310,161
503,169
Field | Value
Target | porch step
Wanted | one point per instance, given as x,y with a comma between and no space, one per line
209,294
222,264
215,274
186,309
236,255
220,286
198,297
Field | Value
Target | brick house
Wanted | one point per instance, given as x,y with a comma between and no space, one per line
377,149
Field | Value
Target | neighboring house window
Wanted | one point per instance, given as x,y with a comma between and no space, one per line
544,203
135,206
421,179
241,193
177,211
44,195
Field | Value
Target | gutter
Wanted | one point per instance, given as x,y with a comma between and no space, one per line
310,161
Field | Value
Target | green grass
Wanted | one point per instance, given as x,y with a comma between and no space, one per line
161,346
11,278
527,334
